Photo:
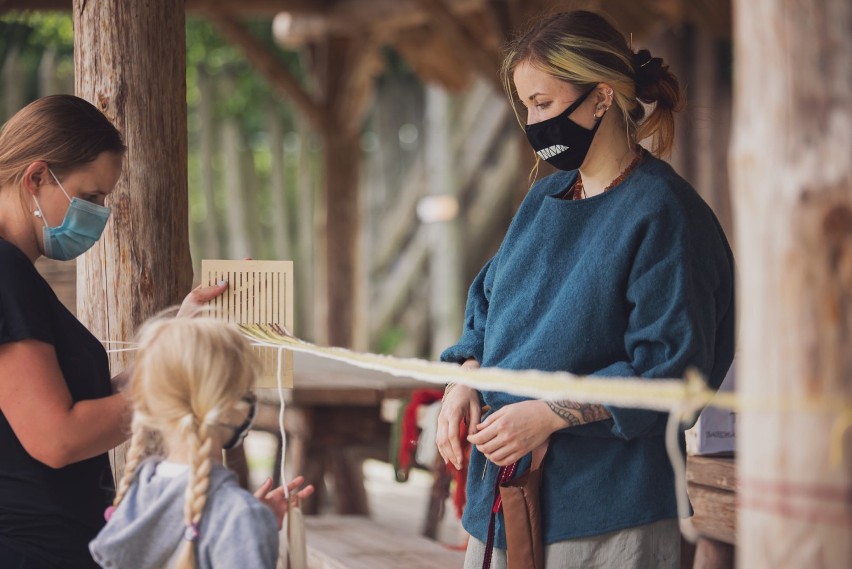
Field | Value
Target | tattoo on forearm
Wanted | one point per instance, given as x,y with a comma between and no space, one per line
576,414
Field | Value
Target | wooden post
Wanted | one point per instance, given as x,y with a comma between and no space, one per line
345,77
792,179
342,171
129,62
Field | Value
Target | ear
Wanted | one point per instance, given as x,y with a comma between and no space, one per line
35,176
605,94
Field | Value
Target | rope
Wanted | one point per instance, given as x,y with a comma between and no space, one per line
681,398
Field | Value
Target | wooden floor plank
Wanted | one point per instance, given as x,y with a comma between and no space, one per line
354,542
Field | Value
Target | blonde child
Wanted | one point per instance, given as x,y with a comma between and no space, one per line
177,506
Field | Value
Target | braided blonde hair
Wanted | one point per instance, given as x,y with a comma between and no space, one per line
189,374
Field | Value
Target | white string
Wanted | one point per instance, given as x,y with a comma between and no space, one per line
120,350
280,379
676,458
283,540
107,343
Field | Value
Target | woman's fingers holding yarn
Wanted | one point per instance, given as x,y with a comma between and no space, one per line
448,436
456,406
511,432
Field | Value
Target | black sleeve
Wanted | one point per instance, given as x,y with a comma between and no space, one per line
24,299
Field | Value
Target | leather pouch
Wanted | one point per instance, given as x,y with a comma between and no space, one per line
522,516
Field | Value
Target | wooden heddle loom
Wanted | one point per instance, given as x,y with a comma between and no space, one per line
261,293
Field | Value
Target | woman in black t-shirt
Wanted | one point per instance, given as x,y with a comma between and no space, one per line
59,159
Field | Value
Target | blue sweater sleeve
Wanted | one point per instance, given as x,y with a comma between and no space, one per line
674,293
472,341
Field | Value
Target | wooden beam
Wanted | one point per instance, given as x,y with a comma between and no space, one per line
52,5
266,63
433,57
348,16
350,101
343,15
482,60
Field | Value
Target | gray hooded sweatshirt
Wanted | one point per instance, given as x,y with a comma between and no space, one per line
146,531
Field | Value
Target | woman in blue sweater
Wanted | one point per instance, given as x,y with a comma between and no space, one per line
612,267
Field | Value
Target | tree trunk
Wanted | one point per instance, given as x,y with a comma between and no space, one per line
792,167
134,71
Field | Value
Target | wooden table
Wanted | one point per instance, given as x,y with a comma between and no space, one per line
711,483
333,422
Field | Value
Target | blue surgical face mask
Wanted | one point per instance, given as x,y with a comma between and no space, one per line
81,228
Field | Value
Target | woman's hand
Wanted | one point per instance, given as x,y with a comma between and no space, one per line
515,430
275,499
199,296
460,403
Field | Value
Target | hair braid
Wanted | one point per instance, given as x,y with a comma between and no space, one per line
196,489
187,371
135,454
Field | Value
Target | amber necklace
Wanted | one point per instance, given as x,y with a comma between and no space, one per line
580,192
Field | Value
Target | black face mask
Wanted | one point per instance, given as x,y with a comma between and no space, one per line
560,141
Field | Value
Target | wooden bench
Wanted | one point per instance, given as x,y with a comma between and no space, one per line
356,542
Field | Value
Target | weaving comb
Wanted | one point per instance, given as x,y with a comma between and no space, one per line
259,292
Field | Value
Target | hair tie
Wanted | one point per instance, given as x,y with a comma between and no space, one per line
212,417
191,532
188,422
647,69
641,58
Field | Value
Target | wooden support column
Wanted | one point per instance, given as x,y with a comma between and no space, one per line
341,153
792,181
129,62
344,73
